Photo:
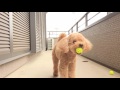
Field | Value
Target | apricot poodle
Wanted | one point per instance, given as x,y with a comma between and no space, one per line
64,51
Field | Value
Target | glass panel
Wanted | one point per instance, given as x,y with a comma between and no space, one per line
66,33
81,22
74,28
97,17
91,14
81,27
70,32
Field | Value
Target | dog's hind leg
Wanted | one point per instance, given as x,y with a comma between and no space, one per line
55,65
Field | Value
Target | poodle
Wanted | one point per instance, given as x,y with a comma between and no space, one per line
64,51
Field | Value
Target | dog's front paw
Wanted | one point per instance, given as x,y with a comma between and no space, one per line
55,74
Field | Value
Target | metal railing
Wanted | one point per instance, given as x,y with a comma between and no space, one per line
54,34
79,26
76,24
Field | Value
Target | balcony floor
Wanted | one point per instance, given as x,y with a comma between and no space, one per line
42,67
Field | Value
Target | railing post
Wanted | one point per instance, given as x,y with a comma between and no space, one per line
86,23
49,34
77,27
72,29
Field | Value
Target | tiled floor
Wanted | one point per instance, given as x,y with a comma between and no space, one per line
42,67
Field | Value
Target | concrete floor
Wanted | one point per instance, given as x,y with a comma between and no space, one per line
42,67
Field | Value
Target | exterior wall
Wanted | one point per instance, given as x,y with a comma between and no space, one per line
105,37
10,64
7,68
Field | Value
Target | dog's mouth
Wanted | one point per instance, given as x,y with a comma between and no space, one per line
79,53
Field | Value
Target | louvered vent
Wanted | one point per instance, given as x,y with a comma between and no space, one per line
4,33
21,33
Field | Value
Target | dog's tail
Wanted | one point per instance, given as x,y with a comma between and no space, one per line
62,35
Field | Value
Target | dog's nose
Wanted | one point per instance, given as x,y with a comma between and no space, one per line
81,45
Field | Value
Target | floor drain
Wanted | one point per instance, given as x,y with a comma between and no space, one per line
84,61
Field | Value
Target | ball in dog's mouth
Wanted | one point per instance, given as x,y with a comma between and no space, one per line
79,50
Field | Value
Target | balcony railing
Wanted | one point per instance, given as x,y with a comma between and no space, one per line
88,19
54,34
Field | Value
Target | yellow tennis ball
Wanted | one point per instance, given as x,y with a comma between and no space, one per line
79,50
111,72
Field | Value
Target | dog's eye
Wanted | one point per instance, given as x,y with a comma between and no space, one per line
74,41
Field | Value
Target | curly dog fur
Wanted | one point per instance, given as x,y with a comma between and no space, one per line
64,51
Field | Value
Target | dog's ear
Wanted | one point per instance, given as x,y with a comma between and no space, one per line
88,45
63,45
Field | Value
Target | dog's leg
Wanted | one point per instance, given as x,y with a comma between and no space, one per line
63,68
55,65
71,69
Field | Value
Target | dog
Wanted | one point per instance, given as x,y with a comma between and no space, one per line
64,51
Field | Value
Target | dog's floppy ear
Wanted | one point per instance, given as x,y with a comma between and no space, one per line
88,45
63,45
